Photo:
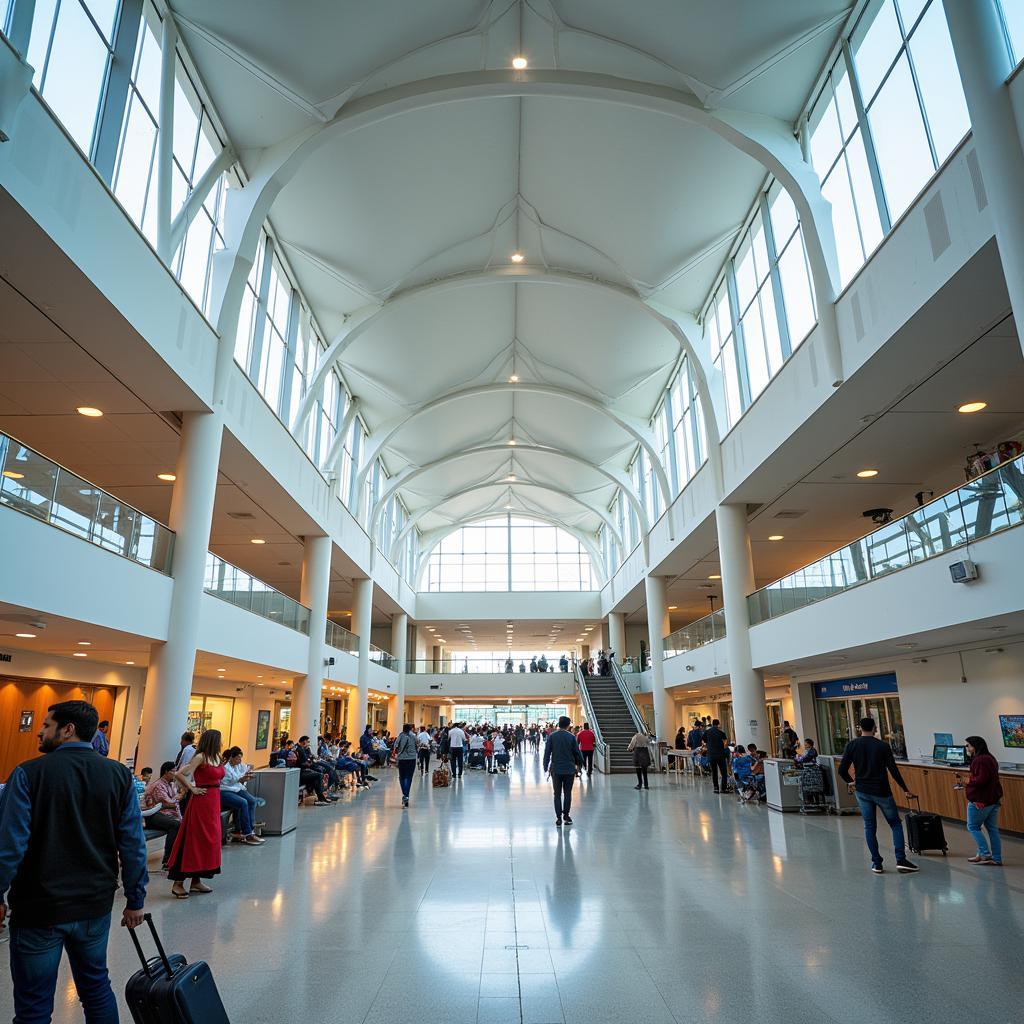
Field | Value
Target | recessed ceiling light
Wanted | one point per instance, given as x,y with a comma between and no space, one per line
517,257
520,63
973,407
673,607
776,536
89,410
715,576
129,662
85,643
257,540
11,475
26,636
867,474
167,477
80,654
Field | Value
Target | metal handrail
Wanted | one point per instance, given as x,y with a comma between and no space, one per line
634,711
262,598
340,638
601,747
700,632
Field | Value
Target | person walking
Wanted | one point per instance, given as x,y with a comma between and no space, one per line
456,750
640,746
423,750
101,741
68,822
561,759
587,739
718,756
405,757
196,850
873,763
984,792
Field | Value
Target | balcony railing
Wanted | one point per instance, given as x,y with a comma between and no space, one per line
381,657
987,505
698,633
463,664
39,487
237,587
341,638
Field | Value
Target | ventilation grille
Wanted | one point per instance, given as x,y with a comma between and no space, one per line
938,228
790,513
980,195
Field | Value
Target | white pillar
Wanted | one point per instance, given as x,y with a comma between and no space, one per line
617,635
362,620
399,634
656,591
984,63
737,566
307,691
171,664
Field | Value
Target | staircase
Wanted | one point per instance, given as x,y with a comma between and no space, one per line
614,718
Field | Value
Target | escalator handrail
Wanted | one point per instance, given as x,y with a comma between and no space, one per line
588,709
634,711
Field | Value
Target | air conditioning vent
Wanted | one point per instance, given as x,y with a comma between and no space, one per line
791,513
241,515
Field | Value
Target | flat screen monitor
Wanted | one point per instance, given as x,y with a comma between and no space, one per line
939,752
1012,728
956,755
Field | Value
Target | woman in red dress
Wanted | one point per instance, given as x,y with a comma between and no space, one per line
196,850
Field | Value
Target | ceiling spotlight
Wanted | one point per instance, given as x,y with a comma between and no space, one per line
715,576
511,478
26,636
776,536
129,662
514,379
89,410
508,508
80,654
167,477
520,63
512,442
673,607
867,474
257,540
517,257
12,475
85,643
966,407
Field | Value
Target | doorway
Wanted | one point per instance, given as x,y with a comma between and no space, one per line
839,722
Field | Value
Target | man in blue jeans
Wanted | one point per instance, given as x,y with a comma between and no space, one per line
873,763
66,821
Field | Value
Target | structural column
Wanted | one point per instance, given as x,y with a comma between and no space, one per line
656,590
737,565
399,635
362,621
171,664
617,635
307,692
984,63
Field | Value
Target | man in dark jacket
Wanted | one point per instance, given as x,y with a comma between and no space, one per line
68,822
562,757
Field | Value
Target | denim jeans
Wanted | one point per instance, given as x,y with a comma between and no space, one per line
868,804
456,757
562,785
406,770
35,959
987,817
240,807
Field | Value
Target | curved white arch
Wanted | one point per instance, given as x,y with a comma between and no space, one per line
519,484
412,472
438,535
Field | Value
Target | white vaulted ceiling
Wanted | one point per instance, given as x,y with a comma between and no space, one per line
596,189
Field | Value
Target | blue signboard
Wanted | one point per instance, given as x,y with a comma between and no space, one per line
858,686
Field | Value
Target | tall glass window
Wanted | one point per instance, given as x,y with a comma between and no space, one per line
1013,19
793,267
688,436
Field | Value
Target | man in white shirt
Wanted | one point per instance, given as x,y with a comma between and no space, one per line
423,750
457,743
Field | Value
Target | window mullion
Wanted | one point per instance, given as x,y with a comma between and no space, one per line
917,90
262,303
291,344
738,342
670,430
113,107
774,276
868,139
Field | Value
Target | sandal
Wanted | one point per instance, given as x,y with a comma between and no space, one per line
178,892
199,887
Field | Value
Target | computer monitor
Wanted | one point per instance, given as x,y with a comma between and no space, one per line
956,755
939,752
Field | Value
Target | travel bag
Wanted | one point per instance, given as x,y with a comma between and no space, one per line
441,777
924,831
170,990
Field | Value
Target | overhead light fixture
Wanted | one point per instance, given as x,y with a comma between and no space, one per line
514,379
511,478
776,536
517,257
508,508
968,407
85,643
512,442
673,607
867,474
715,576
26,636
80,654
257,540
520,63
129,662
11,475
89,410
167,477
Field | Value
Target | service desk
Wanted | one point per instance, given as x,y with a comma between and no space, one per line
933,783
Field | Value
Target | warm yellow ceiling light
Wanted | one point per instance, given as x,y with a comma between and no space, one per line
85,643
973,407
26,636
89,410
257,540
673,607
867,474
80,654
167,477
714,576
776,536
514,379
11,475
517,257
520,63
129,662
512,442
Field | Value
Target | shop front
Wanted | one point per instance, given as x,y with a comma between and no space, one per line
840,704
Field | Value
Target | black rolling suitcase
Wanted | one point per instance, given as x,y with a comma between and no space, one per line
924,831
170,990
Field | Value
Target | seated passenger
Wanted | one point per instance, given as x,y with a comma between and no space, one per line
310,776
809,755
284,757
742,771
163,792
236,798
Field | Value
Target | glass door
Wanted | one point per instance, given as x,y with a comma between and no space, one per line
834,725
774,709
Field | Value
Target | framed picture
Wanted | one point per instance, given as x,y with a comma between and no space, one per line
27,718
1012,728
262,729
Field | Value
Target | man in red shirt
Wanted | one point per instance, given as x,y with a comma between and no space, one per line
587,741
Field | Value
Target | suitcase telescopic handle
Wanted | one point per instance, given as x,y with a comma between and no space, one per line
148,918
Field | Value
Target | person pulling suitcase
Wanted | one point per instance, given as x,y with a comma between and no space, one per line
873,762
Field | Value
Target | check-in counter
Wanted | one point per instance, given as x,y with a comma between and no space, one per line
933,783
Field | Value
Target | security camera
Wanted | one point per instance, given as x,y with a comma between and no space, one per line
689,668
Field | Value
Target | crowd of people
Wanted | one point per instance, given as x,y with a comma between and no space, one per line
538,663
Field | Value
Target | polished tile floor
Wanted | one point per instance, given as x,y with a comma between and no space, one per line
671,905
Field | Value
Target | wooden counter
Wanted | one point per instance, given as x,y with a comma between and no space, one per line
934,783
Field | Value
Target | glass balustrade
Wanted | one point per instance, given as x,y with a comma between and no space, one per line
986,505
381,657
698,633
229,583
462,664
39,487
340,638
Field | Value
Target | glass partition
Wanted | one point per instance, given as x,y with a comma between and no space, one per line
381,657
39,487
696,634
986,505
229,583
460,664
340,638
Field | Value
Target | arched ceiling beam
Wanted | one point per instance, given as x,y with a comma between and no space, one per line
434,537
616,477
768,140
420,514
